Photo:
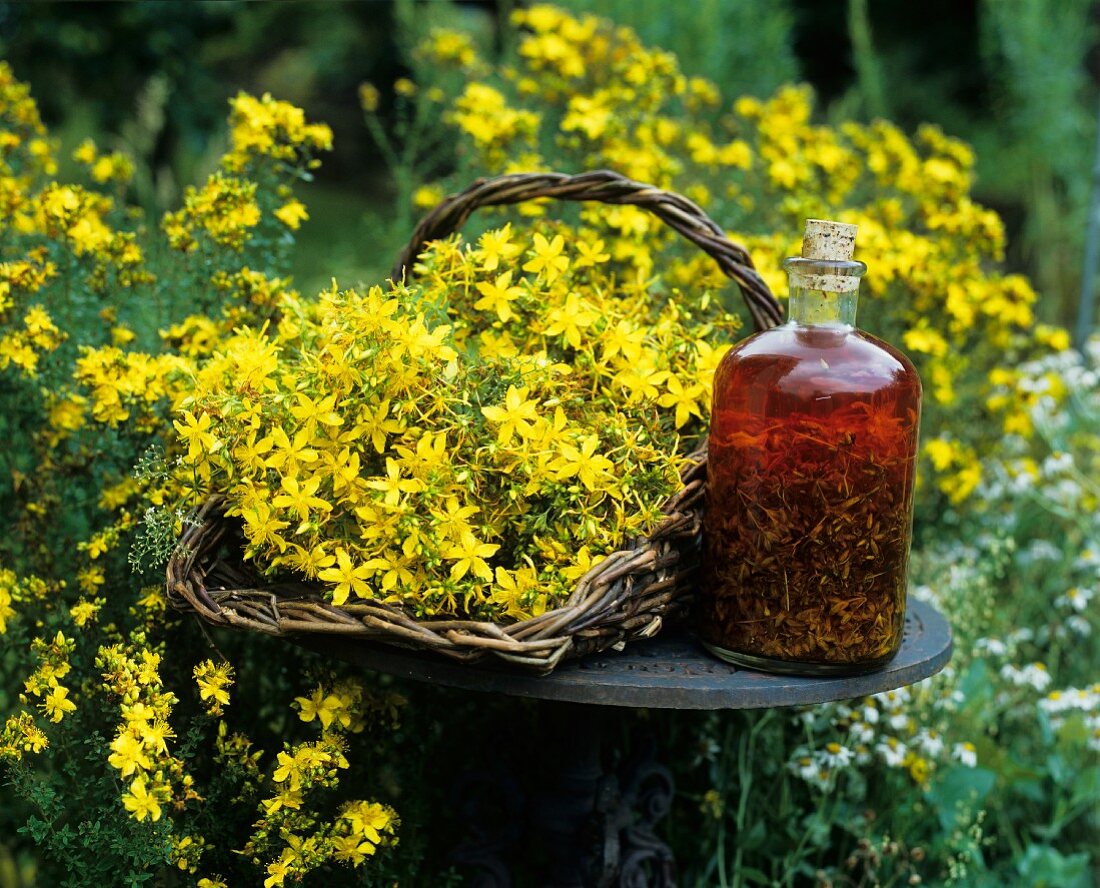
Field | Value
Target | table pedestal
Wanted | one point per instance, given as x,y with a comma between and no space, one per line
587,824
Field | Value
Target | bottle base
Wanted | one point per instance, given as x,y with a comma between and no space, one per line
796,667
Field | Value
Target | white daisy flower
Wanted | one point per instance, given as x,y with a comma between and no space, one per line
892,750
965,754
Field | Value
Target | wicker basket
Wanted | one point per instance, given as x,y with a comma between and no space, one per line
626,596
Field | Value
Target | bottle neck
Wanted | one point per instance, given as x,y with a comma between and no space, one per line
808,306
823,293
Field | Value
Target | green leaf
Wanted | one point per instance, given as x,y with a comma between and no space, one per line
1046,867
960,790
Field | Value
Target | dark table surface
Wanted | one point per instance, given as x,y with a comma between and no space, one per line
671,671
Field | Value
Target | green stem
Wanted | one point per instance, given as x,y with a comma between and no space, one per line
868,71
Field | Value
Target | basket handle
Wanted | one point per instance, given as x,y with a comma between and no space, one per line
608,187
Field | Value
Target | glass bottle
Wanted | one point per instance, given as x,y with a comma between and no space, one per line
810,474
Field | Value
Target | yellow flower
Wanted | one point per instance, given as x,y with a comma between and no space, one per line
941,452
289,453
262,527
511,589
516,415
348,578
139,802
292,214
394,569
583,463
196,432
128,754
309,412
55,704
85,152
548,261
468,556
495,246
82,612
590,253
309,561
301,498
327,708
279,869
427,196
376,426
213,682
570,319
393,485
924,339
351,849
587,115
368,819
155,735
498,295
685,400
368,97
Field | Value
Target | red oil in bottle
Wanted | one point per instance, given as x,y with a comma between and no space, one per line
808,516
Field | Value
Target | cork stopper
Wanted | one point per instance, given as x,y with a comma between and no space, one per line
831,242
824,239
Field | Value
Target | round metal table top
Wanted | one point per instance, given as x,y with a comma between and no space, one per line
671,671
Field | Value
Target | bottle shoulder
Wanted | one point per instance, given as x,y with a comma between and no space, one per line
802,342
826,356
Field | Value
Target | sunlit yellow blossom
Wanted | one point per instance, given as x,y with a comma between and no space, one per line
469,556
128,754
292,214
497,296
352,849
515,416
214,681
496,246
583,463
686,400
140,802
56,703
348,579
327,708
548,260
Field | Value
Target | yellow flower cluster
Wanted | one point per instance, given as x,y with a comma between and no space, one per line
225,209
302,841
1014,402
122,386
214,682
15,590
53,657
469,444
591,95
267,128
103,168
139,750
99,388
52,225
268,139
8,581
25,148
20,733
957,465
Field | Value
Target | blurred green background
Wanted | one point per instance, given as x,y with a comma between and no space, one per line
1016,78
